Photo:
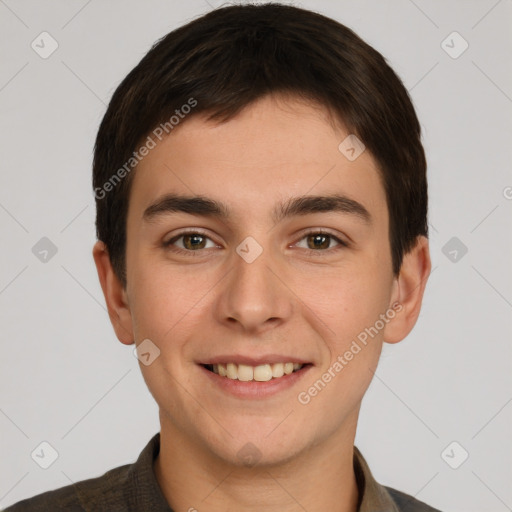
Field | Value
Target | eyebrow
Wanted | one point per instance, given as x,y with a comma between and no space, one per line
294,206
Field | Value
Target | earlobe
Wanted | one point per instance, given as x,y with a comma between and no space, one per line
408,291
114,293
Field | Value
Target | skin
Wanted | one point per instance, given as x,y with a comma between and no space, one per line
289,300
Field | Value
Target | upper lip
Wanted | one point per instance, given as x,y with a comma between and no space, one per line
253,360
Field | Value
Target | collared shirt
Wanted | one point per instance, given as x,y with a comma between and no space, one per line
134,487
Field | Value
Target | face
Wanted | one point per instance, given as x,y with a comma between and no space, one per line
251,282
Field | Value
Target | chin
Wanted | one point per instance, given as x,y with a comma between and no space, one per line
258,449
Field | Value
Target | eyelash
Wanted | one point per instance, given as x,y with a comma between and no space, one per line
169,244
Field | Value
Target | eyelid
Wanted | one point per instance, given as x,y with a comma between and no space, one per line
196,231
322,231
310,231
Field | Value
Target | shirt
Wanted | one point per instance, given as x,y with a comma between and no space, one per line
134,487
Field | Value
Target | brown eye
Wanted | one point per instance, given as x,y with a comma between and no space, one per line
320,241
190,242
194,241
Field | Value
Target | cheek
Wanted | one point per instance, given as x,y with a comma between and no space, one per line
166,299
157,303
346,300
348,313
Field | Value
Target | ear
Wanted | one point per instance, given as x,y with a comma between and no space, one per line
408,289
115,295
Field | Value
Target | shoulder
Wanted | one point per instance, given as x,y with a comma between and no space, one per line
375,497
406,503
105,492
124,488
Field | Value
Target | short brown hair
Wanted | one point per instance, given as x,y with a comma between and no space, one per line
232,56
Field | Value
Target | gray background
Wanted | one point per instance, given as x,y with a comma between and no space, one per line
65,378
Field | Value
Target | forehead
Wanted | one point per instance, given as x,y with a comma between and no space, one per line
274,149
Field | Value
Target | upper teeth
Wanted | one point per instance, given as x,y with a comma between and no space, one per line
261,373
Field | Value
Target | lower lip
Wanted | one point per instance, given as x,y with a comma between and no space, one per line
255,389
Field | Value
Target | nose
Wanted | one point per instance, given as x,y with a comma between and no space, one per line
254,296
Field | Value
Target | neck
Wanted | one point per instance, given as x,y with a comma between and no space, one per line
321,478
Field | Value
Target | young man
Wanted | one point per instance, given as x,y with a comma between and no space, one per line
262,230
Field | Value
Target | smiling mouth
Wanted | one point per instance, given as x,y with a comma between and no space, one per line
260,373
